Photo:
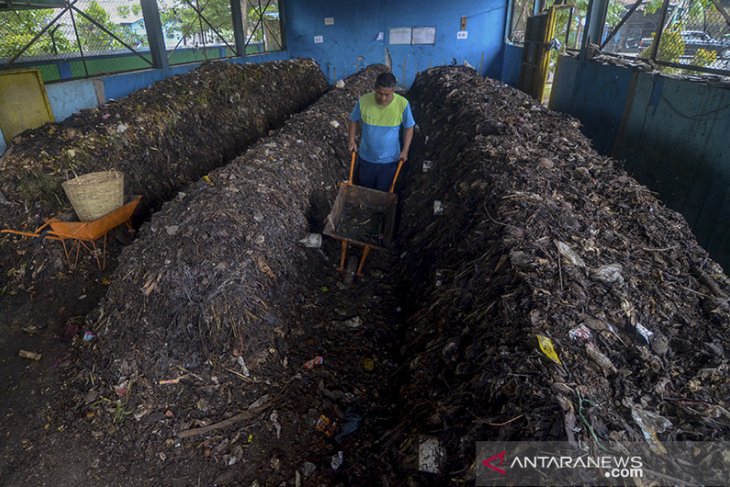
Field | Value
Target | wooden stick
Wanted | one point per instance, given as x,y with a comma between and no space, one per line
352,168
248,414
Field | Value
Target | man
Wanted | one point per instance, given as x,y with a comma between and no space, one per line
382,113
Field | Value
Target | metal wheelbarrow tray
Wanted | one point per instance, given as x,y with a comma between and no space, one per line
362,216
84,234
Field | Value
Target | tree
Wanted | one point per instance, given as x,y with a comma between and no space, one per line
19,27
94,38
181,18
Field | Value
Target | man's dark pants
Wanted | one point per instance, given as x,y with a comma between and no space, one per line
375,176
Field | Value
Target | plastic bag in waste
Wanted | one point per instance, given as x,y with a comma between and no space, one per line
610,274
312,240
438,207
570,256
581,332
351,424
430,454
651,425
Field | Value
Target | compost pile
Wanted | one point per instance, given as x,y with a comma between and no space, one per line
208,288
518,230
161,138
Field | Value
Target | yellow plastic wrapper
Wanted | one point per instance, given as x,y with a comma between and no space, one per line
546,345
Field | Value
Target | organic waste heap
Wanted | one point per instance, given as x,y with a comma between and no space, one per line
520,230
162,138
206,289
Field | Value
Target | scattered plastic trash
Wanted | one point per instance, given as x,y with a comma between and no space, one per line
651,425
335,124
122,389
644,332
439,278
325,426
244,368
427,165
565,250
600,359
438,207
354,322
610,274
581,332
308,469
312,240
207,179
546,345
340,83
274,418
309,364
351,424
29,355
233,457
89,335
165,382
337,460
430,454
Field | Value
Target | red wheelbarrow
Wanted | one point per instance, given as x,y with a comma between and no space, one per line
362,217
84,234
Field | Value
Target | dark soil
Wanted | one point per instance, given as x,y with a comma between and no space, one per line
361,222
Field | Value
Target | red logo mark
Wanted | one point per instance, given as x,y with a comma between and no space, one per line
499,456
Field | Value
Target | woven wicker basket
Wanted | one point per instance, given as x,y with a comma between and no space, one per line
95,194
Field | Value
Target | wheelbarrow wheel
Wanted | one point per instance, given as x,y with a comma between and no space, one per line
351,269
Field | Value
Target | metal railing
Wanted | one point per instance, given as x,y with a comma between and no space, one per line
91,37
678,36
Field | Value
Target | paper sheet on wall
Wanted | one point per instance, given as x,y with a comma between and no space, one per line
424,35
400,35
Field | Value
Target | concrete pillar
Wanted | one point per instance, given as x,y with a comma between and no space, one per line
155,36
238,32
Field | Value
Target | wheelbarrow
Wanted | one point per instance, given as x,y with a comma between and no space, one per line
74,235
362,217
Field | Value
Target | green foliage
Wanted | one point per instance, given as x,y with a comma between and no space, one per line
671,46
19,27
255,28
703,57
93,38
180,18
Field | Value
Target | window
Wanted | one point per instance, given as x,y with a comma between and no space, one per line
521,9
262,26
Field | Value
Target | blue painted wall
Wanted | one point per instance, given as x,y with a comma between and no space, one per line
511,64
593,93
674,138
351,43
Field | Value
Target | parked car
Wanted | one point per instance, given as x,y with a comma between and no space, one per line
694,40
645,43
